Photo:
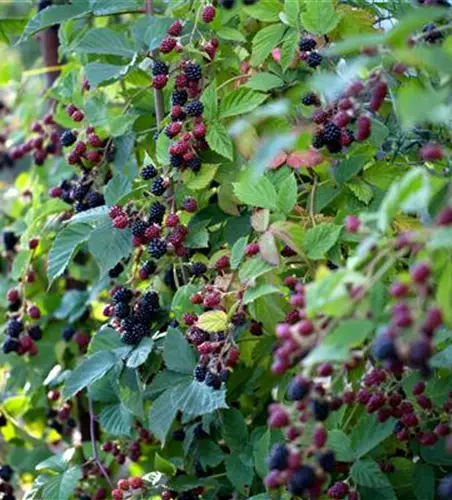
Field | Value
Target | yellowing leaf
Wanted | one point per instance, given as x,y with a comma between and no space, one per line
213,321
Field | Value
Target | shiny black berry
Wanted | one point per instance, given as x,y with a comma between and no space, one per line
151,299
298,388
179,96
134,334
318,142
68,138
301,480
10,345
307,44
160,68
176,161
193,72
331,133
200,373
122,295
122,310
80,191
158,186
314,59
327,461
224,374
35,332
213,380
194,108
14,328
320,410
148,172
194,164
310,99
139,228
95,200
68,333
156,213
198,269
384,348
278,457
6,473
9,240
116,271
157,248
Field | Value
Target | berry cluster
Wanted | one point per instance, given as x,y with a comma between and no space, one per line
308,53
60,419
132,450
133,314
127,488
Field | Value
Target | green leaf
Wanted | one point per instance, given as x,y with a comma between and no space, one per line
228,33
106,339
109,245
164,466
97,73
287,194
94,217
238,252
252,294
441,239
260,220
210,454
106,7
348,168
260,453
265,41
437,454
340,443
289,47
261,193
64,248
10,27
198,237
265,10
442,359
163,144
319,239
55,14
210,100
141,353
361,190
105,41
201,179
219,141
88,371
63,485
131,391
116,189
177,353
21,262
368,473
241,101
181,302
444,292
290,233
213,321
116,419
320,17
424,482
336,346
292,10
162,415
239,472
264,82
149,31
253,268
369,433
234,429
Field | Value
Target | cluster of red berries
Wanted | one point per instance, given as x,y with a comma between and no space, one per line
21,329
132,449
353,107
60,419
45,142
127,488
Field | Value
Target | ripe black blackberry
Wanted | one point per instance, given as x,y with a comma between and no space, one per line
310,99
179,96
68,333
194,108
224,374
278,457
68,138
95,200
148,268
334,147
160,68
148,172
314,59
198,269
320,410
157,248
213,380
307,44
116,271
134,334
196,336
3,420
81,206
327,461
193,72
194,164
123,295
176,161
151,299
35,332
432,33
158,186
318,141
10,345
139,228
200,373
331,133
122,310
6,473
156,213
9,240
14,328
80,191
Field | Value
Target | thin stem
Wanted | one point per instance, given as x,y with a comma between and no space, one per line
94,443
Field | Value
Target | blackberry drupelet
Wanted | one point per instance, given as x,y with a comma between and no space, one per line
200,373
193,72
158,186
310,99
160,68
194,108
68,138
213,380
314,59
318,141
116,271
133,335
334,147
307,44
14,328
148,172
95,200
157,248
122,310
35,332
320,410
139,228
151,299
194,164
122,294
179,97
156,213
331,133
176,161
198,269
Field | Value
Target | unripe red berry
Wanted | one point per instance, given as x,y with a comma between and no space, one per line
33,243
432,152
222,263
399,289
123,485
378,95
208,14
34,312
363,127
136,482
167,45
53,395
420,272
115,211
445,217
117,494
200,130
159,82
95,141
13,295
71,109
341,119
442,430
94,157
55,192
107,447
80,148
352,224
121,222
73,158
418,388
176,28
424,402
78,116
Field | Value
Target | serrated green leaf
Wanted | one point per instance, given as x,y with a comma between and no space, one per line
238,252
177,353
201,179
290,233
116,419
261,193
287,194
369,433
63,485
106,339
210,454
240,101
289,48
116,189
424,482
141,353
368,473
252,294
265,41
265,10
228,33
361,190
164,466
348,168
320,17
320,239
219,141
209,99
105,41
213,321
264,82
253,268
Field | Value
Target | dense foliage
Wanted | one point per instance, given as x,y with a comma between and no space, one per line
226,257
